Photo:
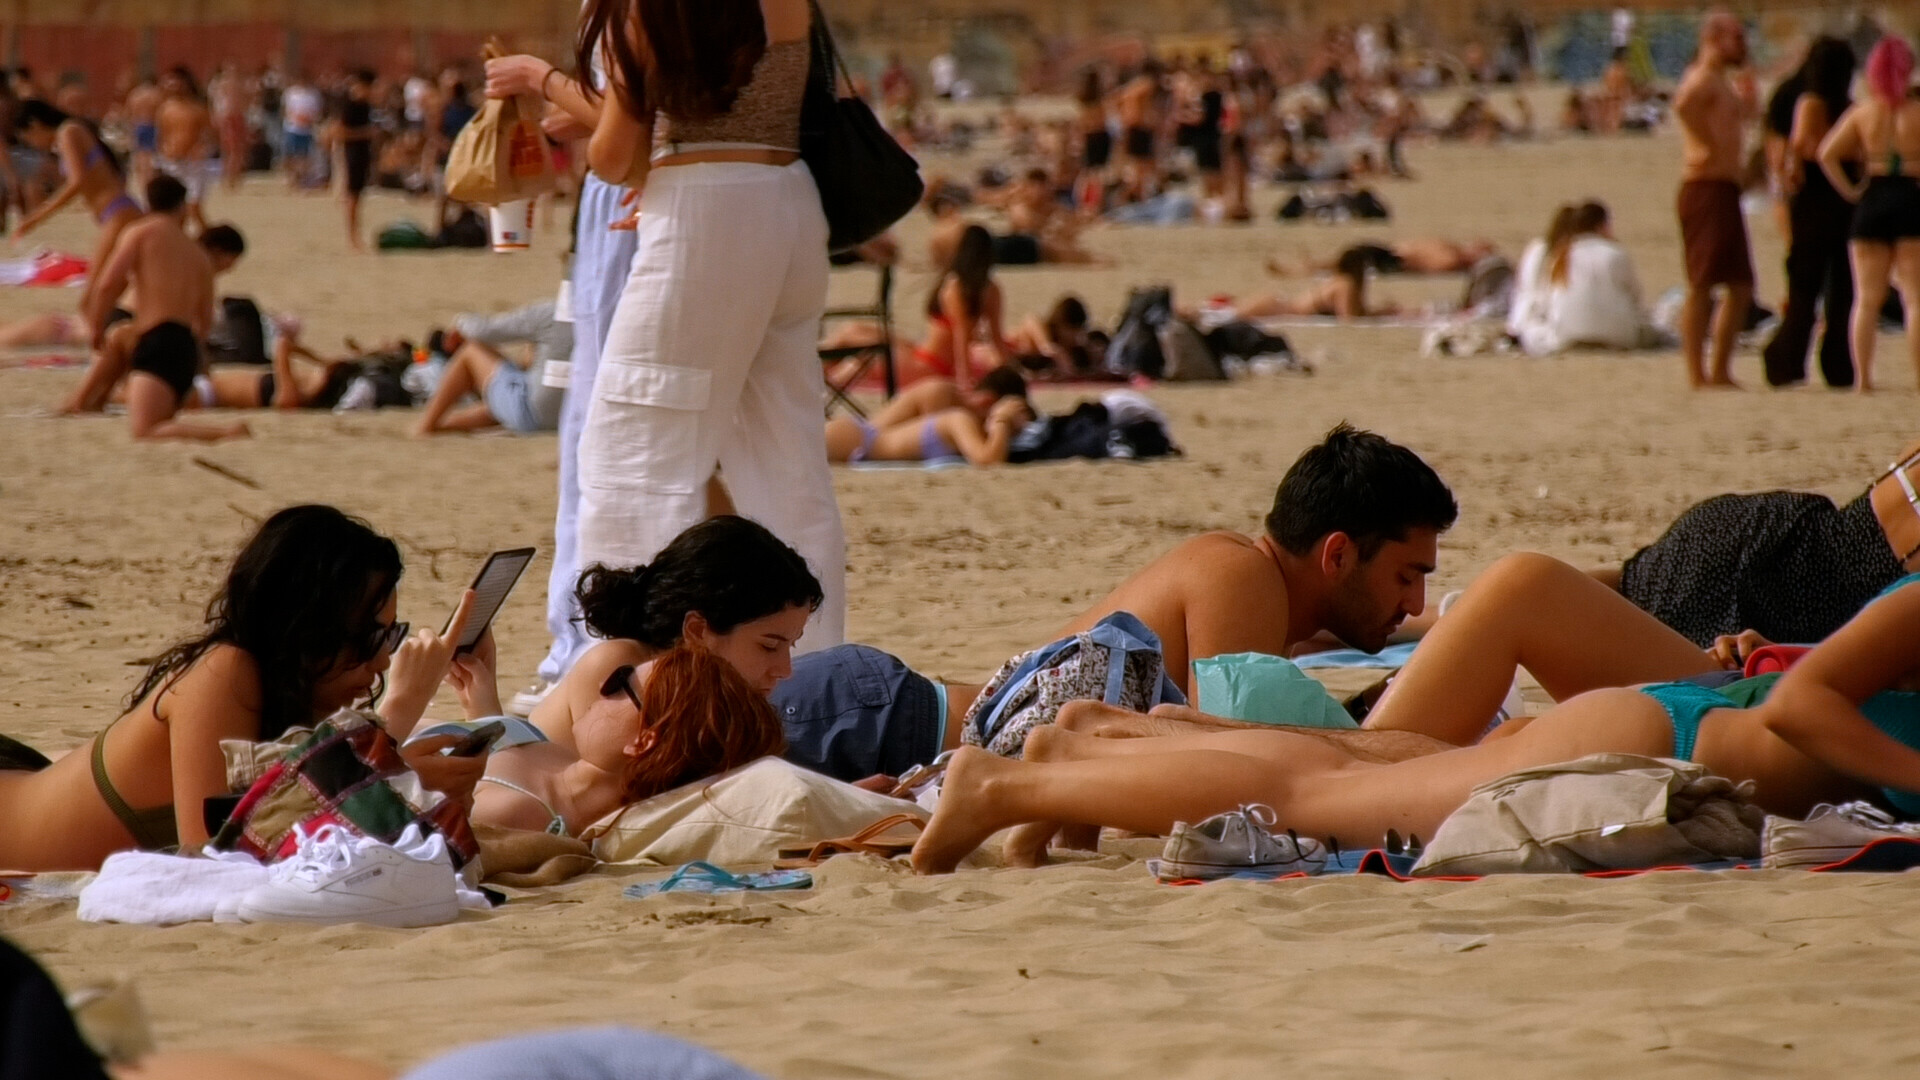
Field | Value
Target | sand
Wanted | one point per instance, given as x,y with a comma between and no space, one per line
108,550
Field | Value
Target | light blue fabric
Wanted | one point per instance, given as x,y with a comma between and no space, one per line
609,1053
508,398
519,732
602,261
1393,656
1262,689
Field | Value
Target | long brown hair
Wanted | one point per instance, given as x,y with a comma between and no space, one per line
686,58
705,718
1572,223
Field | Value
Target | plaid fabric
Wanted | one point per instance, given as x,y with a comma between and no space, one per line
347,773
247,761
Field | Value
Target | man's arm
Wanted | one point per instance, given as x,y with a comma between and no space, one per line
112,281
1691,100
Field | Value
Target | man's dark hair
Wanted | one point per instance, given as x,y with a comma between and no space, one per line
224,238
34,111
165,194
1360,484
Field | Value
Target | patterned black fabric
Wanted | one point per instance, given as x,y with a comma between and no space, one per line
1788,564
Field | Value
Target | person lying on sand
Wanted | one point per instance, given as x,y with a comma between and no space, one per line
1353,533
684,715
512,395
1841,725
1060,346
1343,296
303,626
734,589
1423,255
934,419
158,350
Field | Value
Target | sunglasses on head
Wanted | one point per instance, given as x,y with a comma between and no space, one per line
621,681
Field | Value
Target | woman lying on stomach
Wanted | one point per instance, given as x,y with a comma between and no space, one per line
303,627
1840,725
735,590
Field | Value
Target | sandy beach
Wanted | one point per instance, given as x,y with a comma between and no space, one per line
109,549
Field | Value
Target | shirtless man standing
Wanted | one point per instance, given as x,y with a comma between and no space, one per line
186,135
1352,536
1713,116
1137,104
172,278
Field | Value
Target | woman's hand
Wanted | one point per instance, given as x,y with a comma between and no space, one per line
419,665
630,223
1011,411
512,76
453,777
1730,651
472,677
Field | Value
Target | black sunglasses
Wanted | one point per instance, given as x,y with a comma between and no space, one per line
621,681
385,640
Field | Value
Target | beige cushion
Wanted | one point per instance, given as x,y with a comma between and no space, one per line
739,818
1601,812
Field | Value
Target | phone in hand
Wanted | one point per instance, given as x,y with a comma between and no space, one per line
479,742
496,579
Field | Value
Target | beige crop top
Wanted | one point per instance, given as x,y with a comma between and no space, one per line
766,113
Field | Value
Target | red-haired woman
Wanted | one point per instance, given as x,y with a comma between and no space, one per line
1883,129
711,355
676,719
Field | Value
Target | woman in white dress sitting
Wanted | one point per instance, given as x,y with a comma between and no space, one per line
1578,288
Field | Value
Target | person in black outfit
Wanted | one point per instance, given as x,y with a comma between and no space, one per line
356,147
37,1035
1819,275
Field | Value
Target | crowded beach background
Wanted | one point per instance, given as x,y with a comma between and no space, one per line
1471,129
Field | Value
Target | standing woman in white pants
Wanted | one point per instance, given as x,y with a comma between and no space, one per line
711,357
602,262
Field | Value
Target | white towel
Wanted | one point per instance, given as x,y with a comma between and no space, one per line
159,890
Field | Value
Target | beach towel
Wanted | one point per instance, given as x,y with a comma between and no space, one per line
741,817
1118,661
1601,812
348,773
44,268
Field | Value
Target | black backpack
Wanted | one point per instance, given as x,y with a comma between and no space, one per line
1135,348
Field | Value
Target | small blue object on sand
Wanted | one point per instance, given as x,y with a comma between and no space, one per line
700,877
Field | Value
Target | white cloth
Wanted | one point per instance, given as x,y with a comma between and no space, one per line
1598,305
1529,305
712,358
147,889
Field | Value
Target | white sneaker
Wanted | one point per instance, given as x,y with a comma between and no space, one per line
527,700
1830,834
338,877
1236,842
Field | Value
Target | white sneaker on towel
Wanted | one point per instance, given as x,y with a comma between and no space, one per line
339,877
1237,842
525,701
1830,834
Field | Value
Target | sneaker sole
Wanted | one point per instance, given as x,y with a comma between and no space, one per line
1186,871
429,914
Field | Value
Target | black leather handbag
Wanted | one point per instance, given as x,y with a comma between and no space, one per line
867,180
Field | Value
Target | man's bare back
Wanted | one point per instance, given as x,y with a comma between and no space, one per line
170,274
1217,593
1135,102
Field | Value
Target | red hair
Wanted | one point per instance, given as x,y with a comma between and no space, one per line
705,719
1890,70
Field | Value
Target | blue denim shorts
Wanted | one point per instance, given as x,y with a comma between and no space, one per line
852,712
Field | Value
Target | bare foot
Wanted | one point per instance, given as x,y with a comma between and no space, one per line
1027,845
237,431
965,816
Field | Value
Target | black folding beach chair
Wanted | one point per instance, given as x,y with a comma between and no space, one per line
852,362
